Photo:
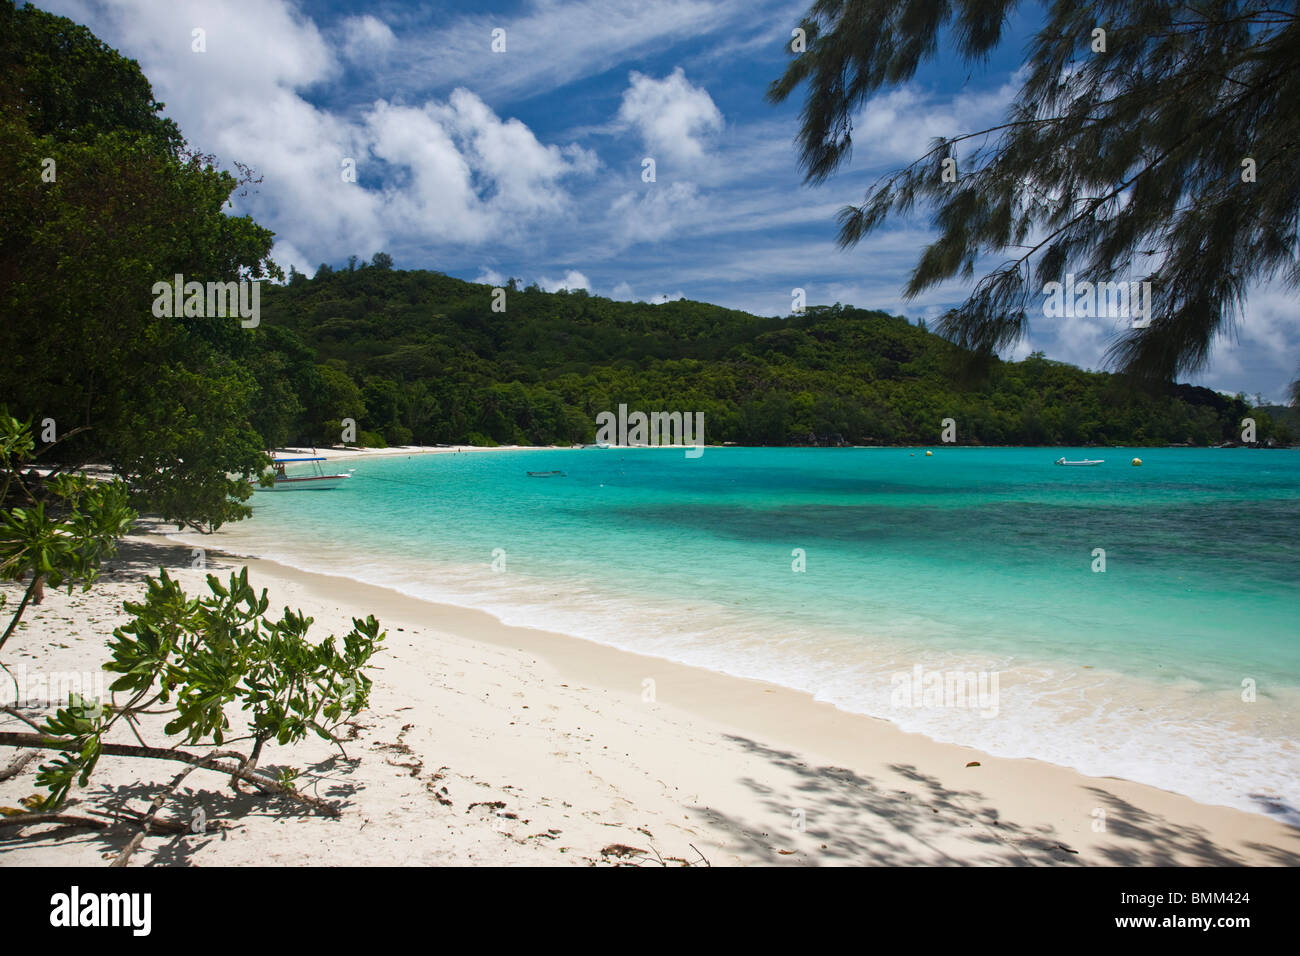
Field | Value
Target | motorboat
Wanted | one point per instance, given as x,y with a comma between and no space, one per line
317,480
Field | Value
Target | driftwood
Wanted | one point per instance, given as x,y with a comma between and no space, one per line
124,815
18,714
147,823
16,765
99,819
70,819
10,739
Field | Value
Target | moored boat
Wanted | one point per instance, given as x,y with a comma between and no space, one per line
1085,463
318,480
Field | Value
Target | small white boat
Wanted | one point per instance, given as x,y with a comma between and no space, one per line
318,480
1085,463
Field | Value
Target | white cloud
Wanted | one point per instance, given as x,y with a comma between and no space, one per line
451,180
521,169
549,44
899,125
286,254
1260,354
286,50
446,171
673,117
623,292
366,38
1022,350
458,172
573,279
240,100
657,211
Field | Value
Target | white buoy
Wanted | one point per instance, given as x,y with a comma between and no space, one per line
1136,462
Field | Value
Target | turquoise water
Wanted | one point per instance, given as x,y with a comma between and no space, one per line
973,560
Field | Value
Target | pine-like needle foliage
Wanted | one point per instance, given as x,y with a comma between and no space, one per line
1166,151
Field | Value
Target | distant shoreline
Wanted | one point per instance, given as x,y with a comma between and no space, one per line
343,453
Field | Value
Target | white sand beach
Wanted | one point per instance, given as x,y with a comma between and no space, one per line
489,744
903,414
342,452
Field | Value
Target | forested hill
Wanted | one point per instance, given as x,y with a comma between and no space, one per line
421,356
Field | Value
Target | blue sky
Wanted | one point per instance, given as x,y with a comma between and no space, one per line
528,162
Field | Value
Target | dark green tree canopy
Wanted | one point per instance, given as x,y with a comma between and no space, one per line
1164,149
103,199
420,356
71,85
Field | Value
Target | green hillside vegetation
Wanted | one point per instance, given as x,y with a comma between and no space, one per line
1285,418
421,357
104,197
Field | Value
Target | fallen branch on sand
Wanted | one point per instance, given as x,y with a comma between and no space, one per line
193,656
258,780
16,765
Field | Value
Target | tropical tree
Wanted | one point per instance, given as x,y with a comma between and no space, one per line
102,200
1150,141
200,660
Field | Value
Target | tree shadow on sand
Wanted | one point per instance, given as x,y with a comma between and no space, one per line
209,813
1152,840
849,818
136,558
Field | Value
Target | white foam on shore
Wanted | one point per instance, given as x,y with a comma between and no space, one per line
1180,736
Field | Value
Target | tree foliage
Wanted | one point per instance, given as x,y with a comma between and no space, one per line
200,658
1122,157
53,531
102,200
420,356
